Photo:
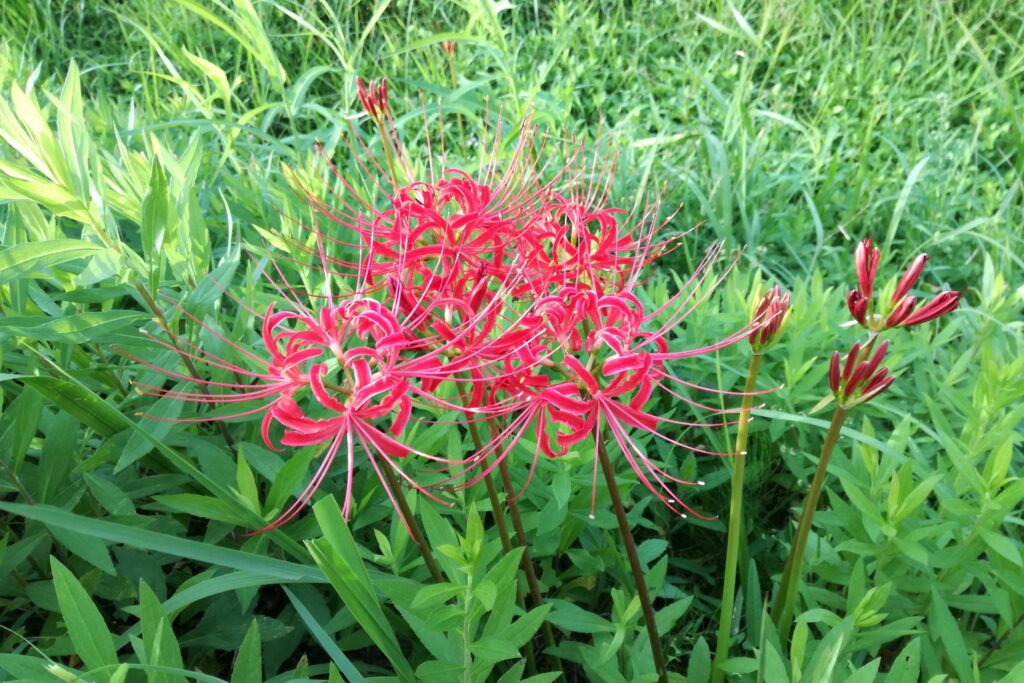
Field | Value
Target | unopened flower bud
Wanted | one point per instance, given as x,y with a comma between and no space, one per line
909,278
769,318
866,260
860,380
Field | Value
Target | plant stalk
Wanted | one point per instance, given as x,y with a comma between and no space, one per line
158,314
531,576
736,527
411,524
634,560
785,601
506,541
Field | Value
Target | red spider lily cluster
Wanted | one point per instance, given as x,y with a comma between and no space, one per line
862,377
509,297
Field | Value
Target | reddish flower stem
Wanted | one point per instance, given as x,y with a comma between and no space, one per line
531,576
634,560
506,542
414,528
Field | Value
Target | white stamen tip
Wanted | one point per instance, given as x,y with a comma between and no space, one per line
700,483
591,516
683,516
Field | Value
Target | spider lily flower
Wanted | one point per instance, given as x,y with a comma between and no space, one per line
770,317
335,376
610,356
517,292
909,279
859,380
944,303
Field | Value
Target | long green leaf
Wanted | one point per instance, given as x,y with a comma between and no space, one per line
338,556
32,256
165,543
343,663
89,633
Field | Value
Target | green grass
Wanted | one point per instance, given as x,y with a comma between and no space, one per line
788,129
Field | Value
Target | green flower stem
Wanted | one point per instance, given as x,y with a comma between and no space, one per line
410,522
785,601
736,529
634,560
158,316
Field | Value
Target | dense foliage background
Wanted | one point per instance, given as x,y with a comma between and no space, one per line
790,129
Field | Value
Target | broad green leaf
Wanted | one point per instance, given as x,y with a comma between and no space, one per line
915,498
945,629
89,634
86,548
156,425
1002,545
156,215
166,543
87,407
493,650
77,328
906,668
574,619
109,495
773,666
18,426
698,670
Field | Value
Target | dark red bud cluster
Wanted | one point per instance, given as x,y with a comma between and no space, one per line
899,311
769,318
860,379
373,97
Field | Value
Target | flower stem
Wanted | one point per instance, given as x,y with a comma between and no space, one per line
634,560
160,320
506,542
785,600
531,576
492,495
736,528
411,524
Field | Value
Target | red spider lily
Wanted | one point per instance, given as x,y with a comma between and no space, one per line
521,294
898,311
770,317
860,379
610,357
944,303
332,377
